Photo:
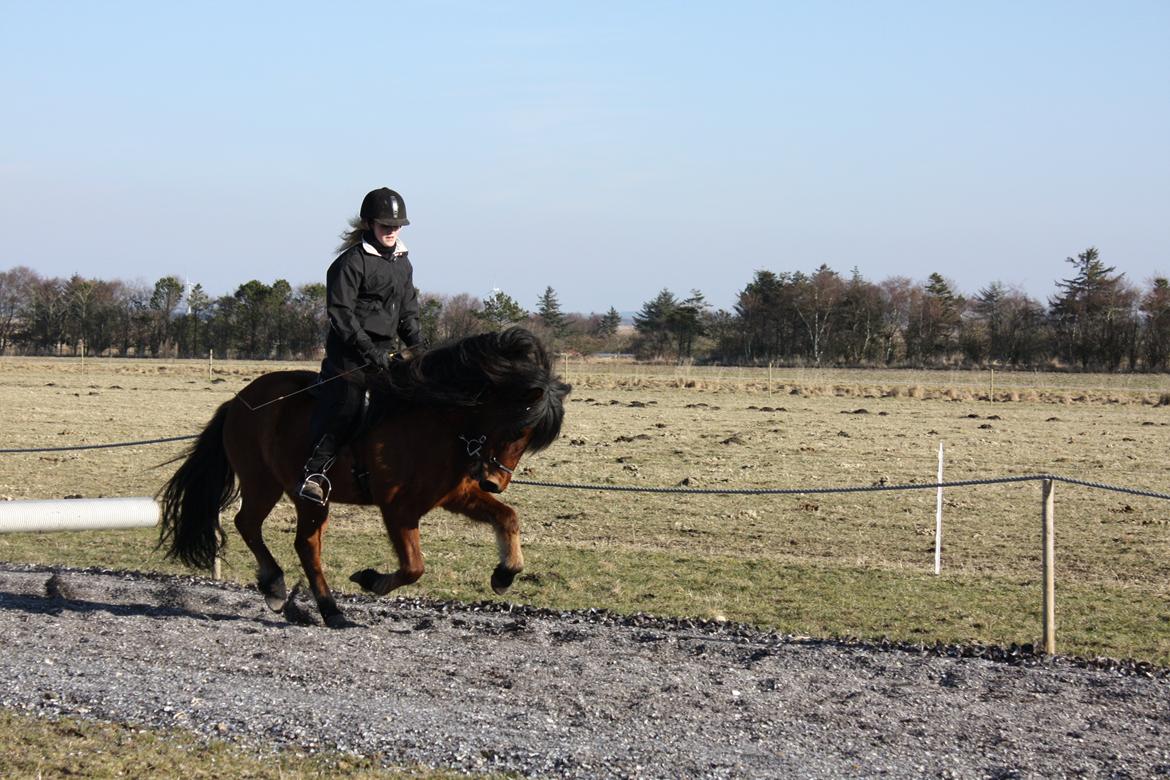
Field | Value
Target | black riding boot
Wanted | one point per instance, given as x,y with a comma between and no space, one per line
336,408
316,487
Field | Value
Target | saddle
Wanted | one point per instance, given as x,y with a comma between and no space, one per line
368,416
365,421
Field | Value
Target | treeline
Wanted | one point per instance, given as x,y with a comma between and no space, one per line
53,316
1097,320
74,316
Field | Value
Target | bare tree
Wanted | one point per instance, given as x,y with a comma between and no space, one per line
16,288
459,318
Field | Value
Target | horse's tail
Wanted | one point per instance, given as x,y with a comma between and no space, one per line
194,496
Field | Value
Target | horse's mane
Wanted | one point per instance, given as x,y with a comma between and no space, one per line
510,368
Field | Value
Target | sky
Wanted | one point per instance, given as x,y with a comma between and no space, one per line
605,149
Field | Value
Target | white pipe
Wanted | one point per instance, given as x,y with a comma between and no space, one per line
78,514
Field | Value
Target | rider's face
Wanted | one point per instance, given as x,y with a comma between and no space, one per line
387,234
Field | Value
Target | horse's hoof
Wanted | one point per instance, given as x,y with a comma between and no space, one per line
275,593
367,579
339,620
502,580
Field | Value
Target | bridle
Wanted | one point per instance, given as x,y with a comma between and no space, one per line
475,447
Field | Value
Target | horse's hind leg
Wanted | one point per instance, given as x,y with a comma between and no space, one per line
257,497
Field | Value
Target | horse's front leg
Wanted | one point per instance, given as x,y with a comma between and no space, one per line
311,521
404,537
485,508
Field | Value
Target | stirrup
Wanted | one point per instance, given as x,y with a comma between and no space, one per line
320,481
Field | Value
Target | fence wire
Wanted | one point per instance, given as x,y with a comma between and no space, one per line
849,488
679,489
99,446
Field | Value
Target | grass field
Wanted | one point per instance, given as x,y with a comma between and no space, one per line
845,565
72,747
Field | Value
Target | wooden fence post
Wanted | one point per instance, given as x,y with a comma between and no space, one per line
1049,568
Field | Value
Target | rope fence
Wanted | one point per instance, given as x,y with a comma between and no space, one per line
99,446
849,488
1047,481
797,491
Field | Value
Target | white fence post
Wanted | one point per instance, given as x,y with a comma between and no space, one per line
938,516
217,568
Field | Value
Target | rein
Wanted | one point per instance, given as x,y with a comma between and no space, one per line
305,389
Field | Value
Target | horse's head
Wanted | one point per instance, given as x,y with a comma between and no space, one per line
503,383
508,428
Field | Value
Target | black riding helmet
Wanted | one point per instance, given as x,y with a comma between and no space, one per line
386,206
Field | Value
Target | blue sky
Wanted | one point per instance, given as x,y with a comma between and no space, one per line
606,149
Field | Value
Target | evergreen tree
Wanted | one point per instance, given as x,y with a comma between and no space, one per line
198,304
862,317
1089,312
168,293
549,312
685,322
935,312
989,308
652,322
608,326
765,309
501,310
430,309
251,321
1156,308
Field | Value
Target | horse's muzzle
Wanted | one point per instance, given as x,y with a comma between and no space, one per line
488,486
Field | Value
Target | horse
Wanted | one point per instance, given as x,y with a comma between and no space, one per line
454,422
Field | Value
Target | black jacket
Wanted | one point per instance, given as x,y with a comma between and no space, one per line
370,300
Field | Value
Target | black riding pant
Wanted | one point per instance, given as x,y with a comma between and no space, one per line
337,408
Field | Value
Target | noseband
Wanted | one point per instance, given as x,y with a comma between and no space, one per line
475,447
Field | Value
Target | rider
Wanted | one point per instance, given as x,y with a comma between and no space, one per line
371,299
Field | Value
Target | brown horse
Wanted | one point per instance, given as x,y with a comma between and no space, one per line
457,420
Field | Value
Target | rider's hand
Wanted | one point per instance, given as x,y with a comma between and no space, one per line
379,359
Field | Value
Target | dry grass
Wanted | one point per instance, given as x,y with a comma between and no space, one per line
36,747
853,564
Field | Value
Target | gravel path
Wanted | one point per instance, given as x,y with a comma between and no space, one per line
540,693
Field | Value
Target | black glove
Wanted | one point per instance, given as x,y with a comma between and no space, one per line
378,359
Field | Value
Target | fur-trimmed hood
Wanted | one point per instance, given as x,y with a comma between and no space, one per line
399,249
